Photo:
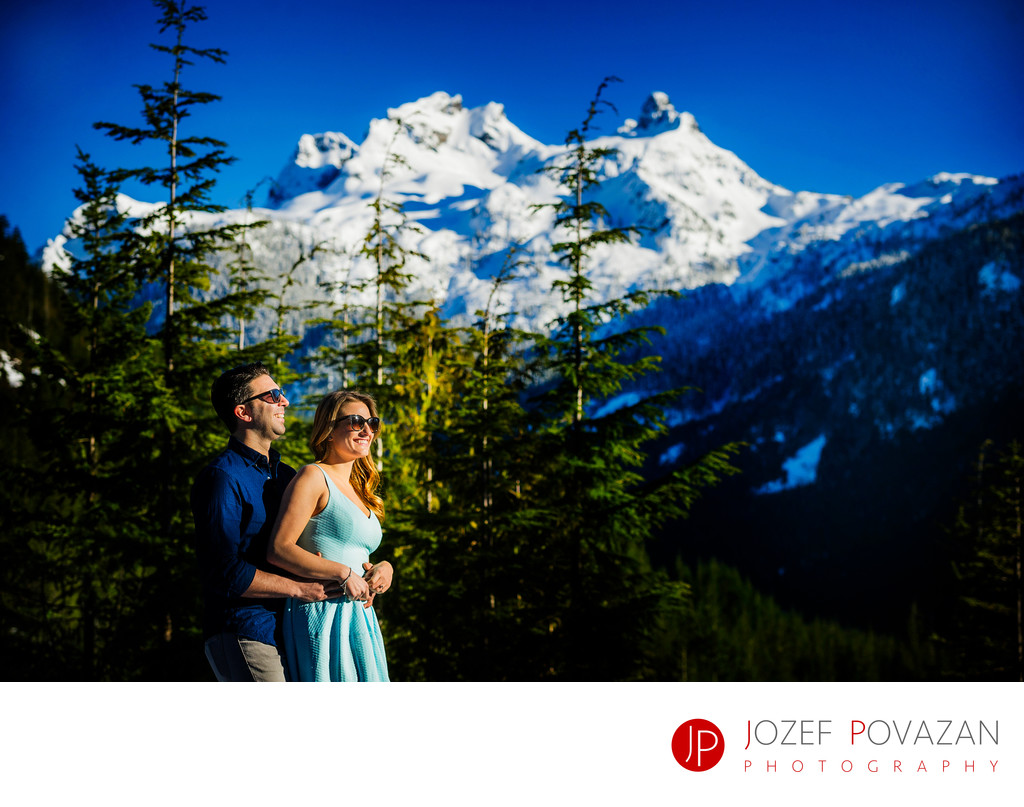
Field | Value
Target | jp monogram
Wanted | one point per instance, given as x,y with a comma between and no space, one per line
698,745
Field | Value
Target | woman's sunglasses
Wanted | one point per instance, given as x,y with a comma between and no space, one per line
356,422
275,396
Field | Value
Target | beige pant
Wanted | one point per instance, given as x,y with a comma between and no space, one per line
235,658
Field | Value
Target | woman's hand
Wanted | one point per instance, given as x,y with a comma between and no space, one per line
355,588
378,577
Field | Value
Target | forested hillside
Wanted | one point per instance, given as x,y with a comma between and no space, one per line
892,379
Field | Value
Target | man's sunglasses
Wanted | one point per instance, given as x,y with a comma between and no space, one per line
356,422
275,396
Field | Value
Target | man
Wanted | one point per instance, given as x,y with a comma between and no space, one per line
235,500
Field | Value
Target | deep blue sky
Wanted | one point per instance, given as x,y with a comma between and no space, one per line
813,95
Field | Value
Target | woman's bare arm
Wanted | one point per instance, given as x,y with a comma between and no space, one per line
305,496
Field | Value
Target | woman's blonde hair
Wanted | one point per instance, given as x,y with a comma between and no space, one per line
365,478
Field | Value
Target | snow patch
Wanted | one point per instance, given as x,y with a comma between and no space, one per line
928,382
612,405
940,400
995,277
657,115
9,368
672,454
800,470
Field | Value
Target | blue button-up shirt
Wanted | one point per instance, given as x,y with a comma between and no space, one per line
235,500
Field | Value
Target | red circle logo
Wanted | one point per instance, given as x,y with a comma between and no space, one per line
698,745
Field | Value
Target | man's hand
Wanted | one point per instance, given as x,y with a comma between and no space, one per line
312,591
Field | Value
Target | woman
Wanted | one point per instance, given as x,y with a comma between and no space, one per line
329,524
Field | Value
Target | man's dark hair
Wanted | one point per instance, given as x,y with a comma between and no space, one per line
232,388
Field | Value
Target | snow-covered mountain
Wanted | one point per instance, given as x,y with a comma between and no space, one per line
472,181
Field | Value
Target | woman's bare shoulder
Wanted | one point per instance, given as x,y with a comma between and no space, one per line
309,476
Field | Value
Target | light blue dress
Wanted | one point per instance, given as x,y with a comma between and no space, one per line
336,640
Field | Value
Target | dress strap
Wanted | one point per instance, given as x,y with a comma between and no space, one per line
331,487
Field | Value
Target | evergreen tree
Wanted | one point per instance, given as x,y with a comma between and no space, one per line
392,347
468,546
31,308
108,532
584,221
171,250
534,560
285,303
395,348
85,552
31,303
598,508
988,642
243,273
383,335
170,246
344,325
383,248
